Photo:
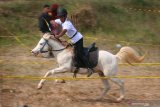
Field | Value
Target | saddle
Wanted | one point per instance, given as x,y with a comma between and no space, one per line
90,57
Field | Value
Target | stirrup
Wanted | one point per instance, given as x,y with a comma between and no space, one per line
90,72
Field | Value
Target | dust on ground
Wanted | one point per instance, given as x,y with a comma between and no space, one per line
80,93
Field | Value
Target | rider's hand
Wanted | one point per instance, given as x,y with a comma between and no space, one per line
46,36
52,37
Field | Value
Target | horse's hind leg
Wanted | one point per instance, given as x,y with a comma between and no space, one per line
106,87
120,83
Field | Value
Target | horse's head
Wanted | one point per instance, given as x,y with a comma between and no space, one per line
46,43
41,47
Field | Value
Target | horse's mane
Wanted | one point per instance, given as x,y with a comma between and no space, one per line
64,43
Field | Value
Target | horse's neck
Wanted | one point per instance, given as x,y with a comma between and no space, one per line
56,46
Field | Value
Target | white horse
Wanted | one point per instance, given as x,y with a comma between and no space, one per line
107,62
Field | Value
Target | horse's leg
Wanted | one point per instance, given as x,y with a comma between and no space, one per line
53,71
120,83
106,88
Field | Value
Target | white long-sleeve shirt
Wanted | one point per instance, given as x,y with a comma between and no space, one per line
71,30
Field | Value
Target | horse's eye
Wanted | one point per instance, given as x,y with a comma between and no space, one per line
41,43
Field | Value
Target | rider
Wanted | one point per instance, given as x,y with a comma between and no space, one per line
48,15
44,20
75,36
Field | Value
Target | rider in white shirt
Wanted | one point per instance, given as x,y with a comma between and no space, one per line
71,31
75,36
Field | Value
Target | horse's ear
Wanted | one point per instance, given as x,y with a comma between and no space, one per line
46,36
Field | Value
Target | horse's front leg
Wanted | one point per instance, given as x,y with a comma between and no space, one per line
53,71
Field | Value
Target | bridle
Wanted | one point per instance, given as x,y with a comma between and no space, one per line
50,47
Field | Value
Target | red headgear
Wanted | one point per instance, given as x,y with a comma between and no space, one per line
54,7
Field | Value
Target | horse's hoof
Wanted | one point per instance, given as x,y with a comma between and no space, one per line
60,81
39,87
120,99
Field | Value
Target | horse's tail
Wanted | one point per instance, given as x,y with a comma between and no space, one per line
129,55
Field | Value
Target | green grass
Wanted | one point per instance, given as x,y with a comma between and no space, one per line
109,19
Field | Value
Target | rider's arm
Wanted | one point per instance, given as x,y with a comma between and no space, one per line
54,24
61,33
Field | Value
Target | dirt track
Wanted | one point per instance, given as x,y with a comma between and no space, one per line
83,93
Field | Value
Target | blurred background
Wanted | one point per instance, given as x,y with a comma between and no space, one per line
123,20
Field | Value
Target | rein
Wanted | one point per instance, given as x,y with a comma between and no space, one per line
54,50
41,50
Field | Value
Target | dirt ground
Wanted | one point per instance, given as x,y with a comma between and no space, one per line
80,93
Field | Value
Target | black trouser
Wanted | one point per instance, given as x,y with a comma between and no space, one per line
78,51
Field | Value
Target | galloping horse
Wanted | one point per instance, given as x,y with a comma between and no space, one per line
107,62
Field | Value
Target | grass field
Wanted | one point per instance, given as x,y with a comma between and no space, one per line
128,20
